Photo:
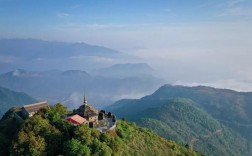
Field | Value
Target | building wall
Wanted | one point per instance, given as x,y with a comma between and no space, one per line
31,114
93,118
113,127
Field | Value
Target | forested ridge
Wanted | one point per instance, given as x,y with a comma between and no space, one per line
210,120
48,133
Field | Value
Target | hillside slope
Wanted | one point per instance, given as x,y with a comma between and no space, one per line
181,121
231,108
9,98
185,122
51,135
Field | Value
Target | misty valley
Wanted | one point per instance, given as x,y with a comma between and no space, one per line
201,120
125,78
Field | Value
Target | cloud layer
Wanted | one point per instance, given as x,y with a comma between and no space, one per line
206,42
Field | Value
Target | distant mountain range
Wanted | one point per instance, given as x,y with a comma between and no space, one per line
35,48
124,70
34,54
80,69
9,98
70,86
213,121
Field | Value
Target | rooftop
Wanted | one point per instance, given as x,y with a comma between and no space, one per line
35,107
76,118
87,110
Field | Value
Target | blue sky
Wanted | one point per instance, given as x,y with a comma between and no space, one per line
195,41
22,18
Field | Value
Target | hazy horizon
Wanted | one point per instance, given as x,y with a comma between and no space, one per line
187,43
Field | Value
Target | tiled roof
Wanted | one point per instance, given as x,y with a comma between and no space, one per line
87,111
76,119
35,107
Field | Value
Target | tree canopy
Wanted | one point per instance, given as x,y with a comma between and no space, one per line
47,133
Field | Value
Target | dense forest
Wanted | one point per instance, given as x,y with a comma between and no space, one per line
48,133
212,121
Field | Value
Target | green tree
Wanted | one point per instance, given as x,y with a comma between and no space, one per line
95,133
42,128
83,133
74,147
56,112
66,128
4,141
116,144
28,144
104,137
100,148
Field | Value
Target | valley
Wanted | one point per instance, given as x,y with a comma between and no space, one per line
210,120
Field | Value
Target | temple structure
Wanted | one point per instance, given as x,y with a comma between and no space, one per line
31,109
87,114
87,111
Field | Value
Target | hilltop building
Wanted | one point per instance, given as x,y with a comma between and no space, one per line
87,111
76,119
29,110
86,114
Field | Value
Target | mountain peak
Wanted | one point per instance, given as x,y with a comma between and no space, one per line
19,72
74,73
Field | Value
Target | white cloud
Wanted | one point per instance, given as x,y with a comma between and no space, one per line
230,3
167,10
232,83
93,59
75,6
96,26
236,11
85,27
190,52
63,15
234,8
